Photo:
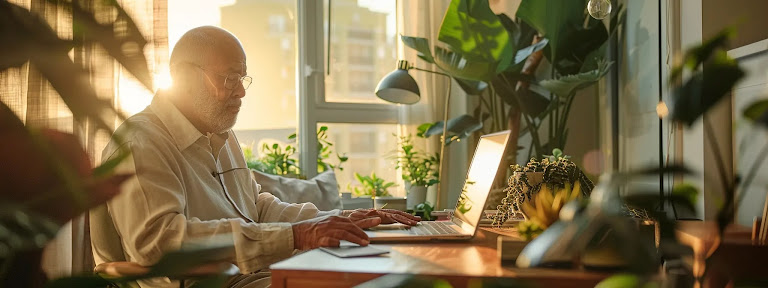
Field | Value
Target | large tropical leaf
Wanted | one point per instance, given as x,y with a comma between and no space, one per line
473,30
421,45
460,127
533,104
457,65
704,89
471,87
564,86
562,22
593,58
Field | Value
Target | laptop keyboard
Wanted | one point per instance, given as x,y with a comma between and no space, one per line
433,228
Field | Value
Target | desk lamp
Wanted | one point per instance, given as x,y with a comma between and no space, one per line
400,88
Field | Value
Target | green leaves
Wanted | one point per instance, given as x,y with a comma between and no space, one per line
758,112
421,45
460,127
704,89
418,168
372,185
565,86
471,29
562,22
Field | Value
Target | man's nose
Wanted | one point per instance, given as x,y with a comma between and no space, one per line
239,91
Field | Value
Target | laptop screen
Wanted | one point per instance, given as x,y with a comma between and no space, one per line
482,171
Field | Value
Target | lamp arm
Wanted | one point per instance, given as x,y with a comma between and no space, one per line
442,137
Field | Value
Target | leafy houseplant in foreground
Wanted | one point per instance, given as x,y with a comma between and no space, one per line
419,170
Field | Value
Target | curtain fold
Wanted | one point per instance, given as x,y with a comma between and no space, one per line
33,99
422,19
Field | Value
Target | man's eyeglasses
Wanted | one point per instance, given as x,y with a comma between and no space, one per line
231,79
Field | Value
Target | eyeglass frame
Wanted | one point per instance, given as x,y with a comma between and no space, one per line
226,77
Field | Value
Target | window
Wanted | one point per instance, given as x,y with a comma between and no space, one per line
267,31
363,48
369,147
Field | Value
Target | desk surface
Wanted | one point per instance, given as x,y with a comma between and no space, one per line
455,262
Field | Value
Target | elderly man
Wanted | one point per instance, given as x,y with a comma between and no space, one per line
191,177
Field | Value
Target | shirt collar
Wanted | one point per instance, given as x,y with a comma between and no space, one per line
182,131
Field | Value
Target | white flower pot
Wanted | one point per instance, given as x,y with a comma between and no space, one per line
416,195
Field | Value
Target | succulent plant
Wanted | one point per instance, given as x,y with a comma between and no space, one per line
559,172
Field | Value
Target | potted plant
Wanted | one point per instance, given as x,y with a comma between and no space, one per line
377,189
419,170
278,160
538,190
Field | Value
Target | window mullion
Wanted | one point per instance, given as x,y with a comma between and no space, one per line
310,80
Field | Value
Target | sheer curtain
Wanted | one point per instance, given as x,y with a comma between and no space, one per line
422,19
34,100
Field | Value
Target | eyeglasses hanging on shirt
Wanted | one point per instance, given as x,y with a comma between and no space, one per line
218,175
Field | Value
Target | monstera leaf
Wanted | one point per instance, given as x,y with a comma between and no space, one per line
471,87
567,85
460,127
421,45
562,23
473,30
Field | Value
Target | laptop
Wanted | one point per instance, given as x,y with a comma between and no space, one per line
469,207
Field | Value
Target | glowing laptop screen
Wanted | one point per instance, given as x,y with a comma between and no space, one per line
482,171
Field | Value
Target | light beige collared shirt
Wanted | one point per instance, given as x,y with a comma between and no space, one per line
191,186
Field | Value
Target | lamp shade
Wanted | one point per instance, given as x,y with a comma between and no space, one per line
398,87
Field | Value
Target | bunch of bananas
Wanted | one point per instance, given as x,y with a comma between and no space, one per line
544,209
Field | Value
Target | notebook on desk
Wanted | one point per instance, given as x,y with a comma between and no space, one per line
469,207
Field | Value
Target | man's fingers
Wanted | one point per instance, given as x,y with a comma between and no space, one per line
404,220
329,241
404,214
356,230
368,223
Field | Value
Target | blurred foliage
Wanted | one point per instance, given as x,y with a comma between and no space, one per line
372,186
544,209
425,210
278,160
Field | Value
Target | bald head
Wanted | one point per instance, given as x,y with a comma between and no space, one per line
205,64
205,46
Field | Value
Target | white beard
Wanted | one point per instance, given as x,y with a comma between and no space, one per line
213,112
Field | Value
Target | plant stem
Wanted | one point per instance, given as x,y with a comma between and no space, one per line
564,120
494,112
752,172
725,182
534,130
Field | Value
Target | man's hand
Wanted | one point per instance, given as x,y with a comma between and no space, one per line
329,231
387,216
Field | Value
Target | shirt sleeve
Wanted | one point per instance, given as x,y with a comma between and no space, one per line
149,216
271,209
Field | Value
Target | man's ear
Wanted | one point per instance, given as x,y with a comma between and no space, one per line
182,75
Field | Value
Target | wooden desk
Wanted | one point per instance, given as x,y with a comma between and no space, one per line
455,262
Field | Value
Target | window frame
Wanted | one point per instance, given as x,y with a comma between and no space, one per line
312,105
